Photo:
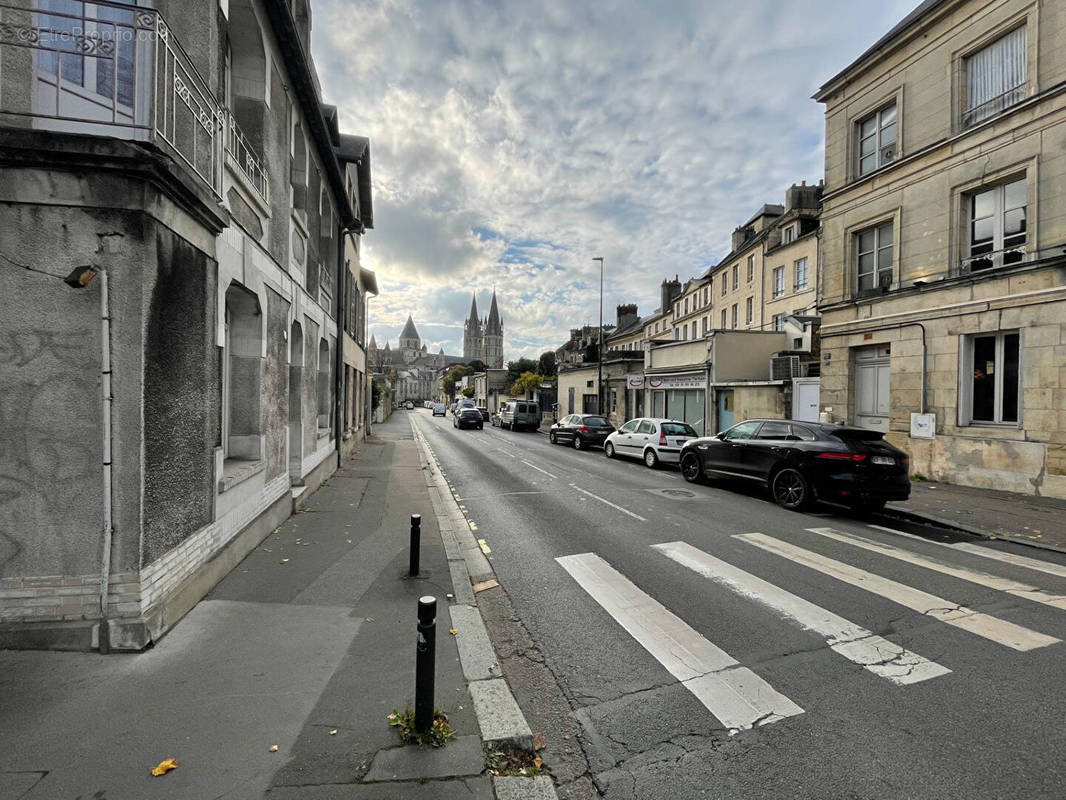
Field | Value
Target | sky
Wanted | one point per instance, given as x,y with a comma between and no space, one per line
512,142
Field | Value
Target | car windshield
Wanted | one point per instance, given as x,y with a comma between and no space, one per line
600,421
471,412
677,429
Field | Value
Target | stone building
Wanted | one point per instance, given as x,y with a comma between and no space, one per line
413,370
176,206
483,338
944,227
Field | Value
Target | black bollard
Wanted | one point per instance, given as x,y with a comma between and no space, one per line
416,546
424,666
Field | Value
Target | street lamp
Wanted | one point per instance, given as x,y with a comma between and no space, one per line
599,347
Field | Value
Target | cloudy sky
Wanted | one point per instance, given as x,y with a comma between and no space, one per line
514,141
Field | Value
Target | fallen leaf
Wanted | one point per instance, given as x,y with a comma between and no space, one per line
539,742
333,732
538,761
369,619
273,748
284,561
165,766
566,736
452,631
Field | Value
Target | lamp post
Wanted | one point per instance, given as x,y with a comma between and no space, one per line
599,347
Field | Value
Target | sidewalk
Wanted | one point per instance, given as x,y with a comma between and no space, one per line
308,645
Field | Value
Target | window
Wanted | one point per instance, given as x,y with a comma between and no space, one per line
800,281
735,307
874,257
723,319
706,325
779,322
774,431
629,427
749,313
990,378
736,276
751,268
877,139
745,430
693,330
725,283
646,426
779,281
686,305
995,77
997,226
789,234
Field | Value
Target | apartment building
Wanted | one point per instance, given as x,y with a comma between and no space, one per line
176,204
944,226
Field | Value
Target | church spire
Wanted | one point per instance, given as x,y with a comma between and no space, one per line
493,323
473,308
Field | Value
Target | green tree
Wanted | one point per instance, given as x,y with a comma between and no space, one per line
516,368
468,391
546,364
527,382
455,374
478,366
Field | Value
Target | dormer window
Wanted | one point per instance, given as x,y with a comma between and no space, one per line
877,139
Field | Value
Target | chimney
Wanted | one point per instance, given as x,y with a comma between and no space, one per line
626,315
803,197
669,291
740,235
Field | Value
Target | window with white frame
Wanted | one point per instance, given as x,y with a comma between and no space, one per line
997,225
779,322
725,283
800,273
990,384
736,307
877,139
751,268
789,235
749,310
779,281
686,305
723,326
873,257
995,77
706,325
736,276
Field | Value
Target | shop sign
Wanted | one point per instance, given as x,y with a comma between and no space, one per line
675,382
635,381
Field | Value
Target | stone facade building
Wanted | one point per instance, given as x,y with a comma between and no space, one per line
177,207
944,227
483,338
413,370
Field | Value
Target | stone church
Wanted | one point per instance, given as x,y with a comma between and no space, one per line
417,370
483,338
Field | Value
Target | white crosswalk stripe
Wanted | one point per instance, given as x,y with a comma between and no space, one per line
1000,631
738,697
986,552
876,654
1012,587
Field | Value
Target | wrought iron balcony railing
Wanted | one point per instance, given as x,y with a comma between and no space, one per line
111,69
246,158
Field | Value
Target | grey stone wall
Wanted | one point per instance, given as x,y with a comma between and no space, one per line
276,156
276,385
181,394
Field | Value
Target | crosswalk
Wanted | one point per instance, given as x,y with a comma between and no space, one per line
738,697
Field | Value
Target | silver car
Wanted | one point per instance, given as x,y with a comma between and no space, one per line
654,441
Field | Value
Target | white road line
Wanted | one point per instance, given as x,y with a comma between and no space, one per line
738,697
996,630
880,656
1012,587
538,469
608,503
986,552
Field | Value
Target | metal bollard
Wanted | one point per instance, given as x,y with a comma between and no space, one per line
424,666
416,546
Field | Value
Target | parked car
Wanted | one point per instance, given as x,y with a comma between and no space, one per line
485,414
580,430
439,410
654,441
515,414
468,418
409,405
801,462
496,417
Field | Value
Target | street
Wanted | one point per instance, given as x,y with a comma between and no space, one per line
699,641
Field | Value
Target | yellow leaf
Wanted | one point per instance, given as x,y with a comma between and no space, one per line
538,761
165,766
333,732
273,748
452,631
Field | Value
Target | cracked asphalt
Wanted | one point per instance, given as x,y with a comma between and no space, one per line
619,725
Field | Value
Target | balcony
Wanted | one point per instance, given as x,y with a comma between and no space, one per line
109,69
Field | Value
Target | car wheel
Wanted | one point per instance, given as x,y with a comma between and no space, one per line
579,443
552,439
690,468
481,427
651,459
608,450
790,489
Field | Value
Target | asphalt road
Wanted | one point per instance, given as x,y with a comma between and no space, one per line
750,656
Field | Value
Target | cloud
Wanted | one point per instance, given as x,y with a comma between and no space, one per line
513,142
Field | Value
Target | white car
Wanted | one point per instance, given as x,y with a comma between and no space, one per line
654,441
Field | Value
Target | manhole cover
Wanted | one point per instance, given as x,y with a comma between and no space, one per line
678,493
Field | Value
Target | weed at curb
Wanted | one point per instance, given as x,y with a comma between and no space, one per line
439,733
511,762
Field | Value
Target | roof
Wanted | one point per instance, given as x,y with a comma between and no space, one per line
369,279
409,331
924,9
473,308
356,150
493,325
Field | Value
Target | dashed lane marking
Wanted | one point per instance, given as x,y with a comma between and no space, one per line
608,503
538,469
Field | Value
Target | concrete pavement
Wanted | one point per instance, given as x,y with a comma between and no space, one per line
307,645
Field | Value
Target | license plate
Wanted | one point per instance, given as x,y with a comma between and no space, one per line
886,460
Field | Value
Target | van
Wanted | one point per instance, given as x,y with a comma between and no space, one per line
515,414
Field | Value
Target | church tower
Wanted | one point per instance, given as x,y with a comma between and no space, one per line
493,337
410,342
473,335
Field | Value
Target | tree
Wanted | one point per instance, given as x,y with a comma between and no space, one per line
516,368
456,374
468,391
478,366
546,364
527,382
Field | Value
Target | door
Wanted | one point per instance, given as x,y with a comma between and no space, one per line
725,409
641,437
728,454
622,440
872,389
805,399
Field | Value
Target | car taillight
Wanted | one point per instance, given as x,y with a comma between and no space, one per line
662,440
843,456
584,429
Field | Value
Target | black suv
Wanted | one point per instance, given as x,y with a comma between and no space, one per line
803,461
468,418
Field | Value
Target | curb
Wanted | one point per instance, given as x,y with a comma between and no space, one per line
920,517
498,714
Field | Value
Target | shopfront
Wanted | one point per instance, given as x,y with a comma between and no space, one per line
681,397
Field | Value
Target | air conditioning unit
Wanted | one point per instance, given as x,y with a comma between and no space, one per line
783,368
